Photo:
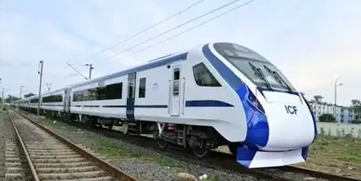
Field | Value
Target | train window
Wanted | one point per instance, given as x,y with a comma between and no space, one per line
253,65
112,91
54,98
101,93
78,96
176,87
176,74
131,85
142,85
131,89
34,100
203,76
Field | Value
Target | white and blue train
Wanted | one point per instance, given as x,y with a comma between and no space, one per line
213,95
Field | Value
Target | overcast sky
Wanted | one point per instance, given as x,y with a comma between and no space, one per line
312,42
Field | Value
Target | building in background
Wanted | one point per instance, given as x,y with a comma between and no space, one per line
347,115
342,114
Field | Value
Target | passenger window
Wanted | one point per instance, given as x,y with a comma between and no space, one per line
112,91
203,76
142,83
54,98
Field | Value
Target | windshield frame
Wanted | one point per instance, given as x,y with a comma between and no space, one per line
260,68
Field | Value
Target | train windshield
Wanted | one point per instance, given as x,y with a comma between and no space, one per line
259,70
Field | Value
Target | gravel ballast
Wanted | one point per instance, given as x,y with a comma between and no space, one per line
6,133
8,141
139,162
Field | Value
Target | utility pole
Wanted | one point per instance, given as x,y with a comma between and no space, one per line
90,70
2,98
3,94
335,105
21,91
40,72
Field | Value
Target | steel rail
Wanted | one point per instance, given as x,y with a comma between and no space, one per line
23,148
318,174
117,173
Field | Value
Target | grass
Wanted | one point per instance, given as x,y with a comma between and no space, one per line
51,122
211,179
113,149
340,148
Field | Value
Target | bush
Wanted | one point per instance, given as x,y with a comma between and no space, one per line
327,118
356,121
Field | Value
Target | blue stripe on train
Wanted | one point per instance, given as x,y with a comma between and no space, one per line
207,103
257,125
189,103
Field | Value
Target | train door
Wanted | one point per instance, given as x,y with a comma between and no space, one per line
67,100
131,96
175,92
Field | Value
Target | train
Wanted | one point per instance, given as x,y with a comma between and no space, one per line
212,95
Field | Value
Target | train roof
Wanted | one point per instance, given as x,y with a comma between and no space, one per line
150,64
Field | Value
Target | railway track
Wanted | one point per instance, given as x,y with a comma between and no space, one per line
52,157
220,160
14,162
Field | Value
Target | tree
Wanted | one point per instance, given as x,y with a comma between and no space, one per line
11,98
356,107
28,95
327,118
318,98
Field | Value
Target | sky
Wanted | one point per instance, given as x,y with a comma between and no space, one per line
312,42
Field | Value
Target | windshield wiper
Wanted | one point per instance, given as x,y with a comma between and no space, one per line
278,78
260,74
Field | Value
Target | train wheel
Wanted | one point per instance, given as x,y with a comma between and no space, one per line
160,141
198,145
201,152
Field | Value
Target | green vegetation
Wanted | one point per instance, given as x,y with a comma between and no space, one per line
29,95
213,178
49,122
356,107
10,98
356,121
112,148
327,118
340,148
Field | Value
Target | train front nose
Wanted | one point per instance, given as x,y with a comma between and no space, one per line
290,130
290,126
